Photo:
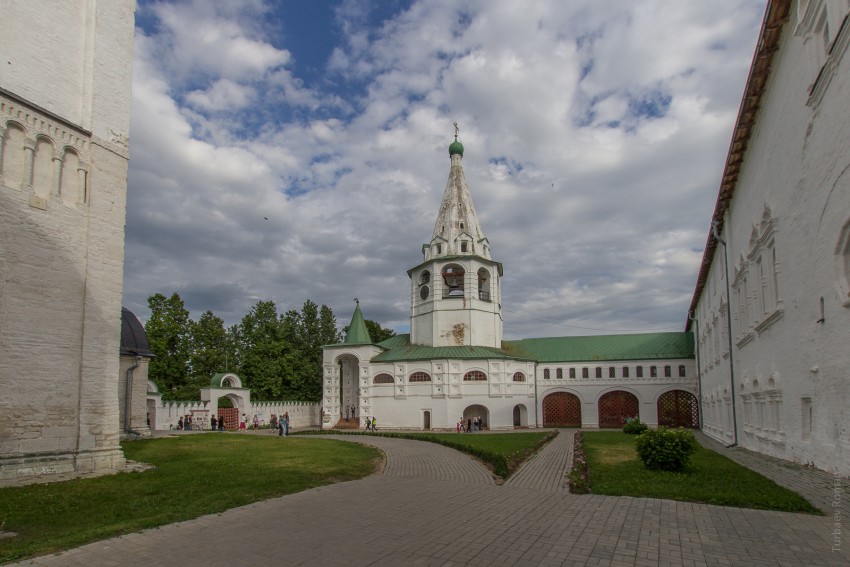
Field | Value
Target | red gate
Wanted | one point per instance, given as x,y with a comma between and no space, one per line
678,408
561,409
230,417
615,407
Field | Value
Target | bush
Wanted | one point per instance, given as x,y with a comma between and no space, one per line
666,449
635,427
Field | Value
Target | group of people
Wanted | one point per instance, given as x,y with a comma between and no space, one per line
216,424
371,424
471,425
350,410
184,424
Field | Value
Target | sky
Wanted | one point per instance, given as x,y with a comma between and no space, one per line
294,150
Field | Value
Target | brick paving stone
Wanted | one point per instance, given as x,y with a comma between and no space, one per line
435,506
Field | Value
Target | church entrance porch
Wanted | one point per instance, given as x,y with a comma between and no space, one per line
561,409
615,407
678,408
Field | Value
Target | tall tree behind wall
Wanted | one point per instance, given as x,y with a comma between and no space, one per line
209,344
262,351
307,332
168,336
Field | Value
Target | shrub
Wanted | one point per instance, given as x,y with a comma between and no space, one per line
635,427
578,478
666,449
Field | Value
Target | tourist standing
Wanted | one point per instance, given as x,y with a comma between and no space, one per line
286,424
213,423
180,423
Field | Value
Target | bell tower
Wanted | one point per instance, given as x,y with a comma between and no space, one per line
455,291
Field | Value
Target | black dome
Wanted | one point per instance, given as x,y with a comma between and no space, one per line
134,340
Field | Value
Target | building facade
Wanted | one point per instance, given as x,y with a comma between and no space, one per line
455,366
64,123
771,310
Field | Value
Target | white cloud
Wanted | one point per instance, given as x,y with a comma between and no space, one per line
595,133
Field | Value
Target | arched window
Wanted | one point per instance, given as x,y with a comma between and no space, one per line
419,377
483,284
425,277
474,376
519,377
383,379
453,281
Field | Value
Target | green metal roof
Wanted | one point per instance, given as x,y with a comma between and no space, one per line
399,348
646,346
357,333
455,148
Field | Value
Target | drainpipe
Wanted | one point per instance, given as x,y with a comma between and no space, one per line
699,371
128,394
728,330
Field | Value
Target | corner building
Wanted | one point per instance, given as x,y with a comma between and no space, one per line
454,364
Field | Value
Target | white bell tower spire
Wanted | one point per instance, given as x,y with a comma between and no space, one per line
456,290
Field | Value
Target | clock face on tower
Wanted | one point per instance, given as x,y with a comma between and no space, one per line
423,292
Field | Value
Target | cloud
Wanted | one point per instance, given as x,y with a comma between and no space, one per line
595,134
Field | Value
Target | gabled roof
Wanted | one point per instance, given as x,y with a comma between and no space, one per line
399,348
645,346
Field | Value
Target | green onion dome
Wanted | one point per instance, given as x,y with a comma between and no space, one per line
456,148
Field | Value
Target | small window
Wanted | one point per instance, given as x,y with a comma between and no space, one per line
383,379
425,277
668,372
545,373
463,247
474,376
599,372
612,372
638,371
419,377
625,372
585,373
572,373
461,225
681,371
439,248
519,377
653,372
559,374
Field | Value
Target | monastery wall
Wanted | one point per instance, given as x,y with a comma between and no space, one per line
788,234
64,118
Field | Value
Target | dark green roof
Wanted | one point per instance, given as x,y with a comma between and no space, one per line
455,148
357,333
399,348
646,346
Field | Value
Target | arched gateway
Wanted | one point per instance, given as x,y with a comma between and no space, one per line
561,409
617,406
678,408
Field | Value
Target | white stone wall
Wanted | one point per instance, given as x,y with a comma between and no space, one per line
138,396
788,234
165,414
64,118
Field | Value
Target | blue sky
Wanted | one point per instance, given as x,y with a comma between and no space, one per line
298,150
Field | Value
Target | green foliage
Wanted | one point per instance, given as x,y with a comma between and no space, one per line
208,349
666,449
616,470
579,479
195,475
635,427
378,333
168,330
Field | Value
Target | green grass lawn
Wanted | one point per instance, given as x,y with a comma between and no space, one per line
615,469
195,475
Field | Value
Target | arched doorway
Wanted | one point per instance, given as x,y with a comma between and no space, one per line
561,409
349,377
615,407
678,408
520,416
477,411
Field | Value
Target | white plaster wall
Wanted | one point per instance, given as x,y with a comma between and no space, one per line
61,261
798,164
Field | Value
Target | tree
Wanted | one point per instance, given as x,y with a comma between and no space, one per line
377,332
262,351
208,349
168,333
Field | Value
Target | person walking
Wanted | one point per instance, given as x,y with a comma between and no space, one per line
368,423
286,424
374,424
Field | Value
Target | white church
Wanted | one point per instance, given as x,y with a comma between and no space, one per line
454,364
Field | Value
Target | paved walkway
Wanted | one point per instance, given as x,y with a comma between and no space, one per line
434,506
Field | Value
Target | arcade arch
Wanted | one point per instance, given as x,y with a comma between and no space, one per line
561,409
